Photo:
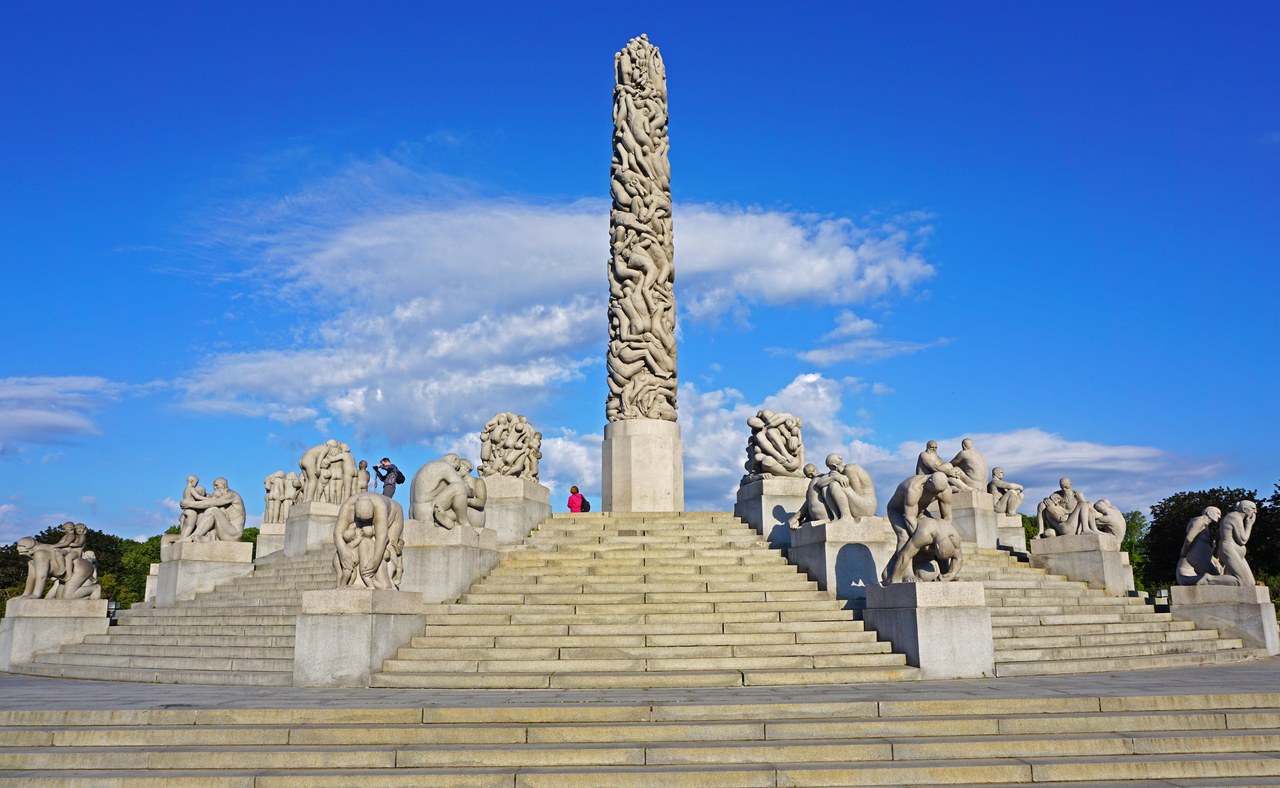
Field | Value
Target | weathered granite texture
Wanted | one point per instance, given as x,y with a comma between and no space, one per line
943,628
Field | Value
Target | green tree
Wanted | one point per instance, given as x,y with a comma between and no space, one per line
1134,543
1030,527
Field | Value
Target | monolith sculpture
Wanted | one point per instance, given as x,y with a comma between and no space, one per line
643,468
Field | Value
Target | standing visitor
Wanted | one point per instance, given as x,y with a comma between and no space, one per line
389,475
575,499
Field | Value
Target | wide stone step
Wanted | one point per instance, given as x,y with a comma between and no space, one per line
132,629
211,662
272,678
1057,641
1113,650
238,652
1109,664
254,640
1097,628
644,680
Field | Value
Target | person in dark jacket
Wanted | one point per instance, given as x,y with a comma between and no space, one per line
389,475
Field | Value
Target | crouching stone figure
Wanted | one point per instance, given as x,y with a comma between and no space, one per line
923,538
369,541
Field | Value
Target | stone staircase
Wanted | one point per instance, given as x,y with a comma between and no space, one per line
1147,741
239,633
642,600
1046,624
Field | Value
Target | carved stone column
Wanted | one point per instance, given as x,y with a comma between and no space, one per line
642,455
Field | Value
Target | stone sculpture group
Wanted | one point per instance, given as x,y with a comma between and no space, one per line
219,517
329,473
775,447
1210,558
1066,511
73,569
509,446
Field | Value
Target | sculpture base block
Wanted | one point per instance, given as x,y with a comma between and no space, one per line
974,516
153,582
1245,612
845,557
1093,558
344,635
943,628
309,526
1010,533
190,568
33,626
642,466
441,563
515,507
766,505
270,539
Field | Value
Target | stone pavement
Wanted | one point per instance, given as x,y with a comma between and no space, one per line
27,692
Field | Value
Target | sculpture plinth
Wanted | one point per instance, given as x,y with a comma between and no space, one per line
943,628
1245,612
31,626
190,568
270,539
845,557
1093,558
767,503
1010,533
515,507
309,526
344,635
643,466
973,515
442,563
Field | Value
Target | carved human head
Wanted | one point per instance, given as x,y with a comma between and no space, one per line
1064,483
26,545
834,461
931,446
219,484
192,481
364,508
938,481
810,470
1246,506
1213,513
997,473
967,443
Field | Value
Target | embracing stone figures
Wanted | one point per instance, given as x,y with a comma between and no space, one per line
329,473
445,493
73,570
1206,560
843,493
921,537
510,446
642,342
217,517
775,447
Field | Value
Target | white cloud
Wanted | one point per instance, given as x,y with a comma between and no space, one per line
427,309
45,410
866,349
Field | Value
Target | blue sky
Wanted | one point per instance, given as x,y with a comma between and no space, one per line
233,231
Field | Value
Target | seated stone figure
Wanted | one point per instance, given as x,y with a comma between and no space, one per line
221,515
843,493
1197,560
775,447
1007,495
971,464
369,539
444,492
75,575
930,462
1065,512
1108,519
922,538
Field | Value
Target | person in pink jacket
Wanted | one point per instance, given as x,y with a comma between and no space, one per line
575,499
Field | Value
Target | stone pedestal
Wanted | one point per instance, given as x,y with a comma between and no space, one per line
1010,532
441,563
271,539
1093,558
32,626
943,628
309,526
514,507
845,557
344,635
190,568
974,516
642,466
766,505
1245,612
153,581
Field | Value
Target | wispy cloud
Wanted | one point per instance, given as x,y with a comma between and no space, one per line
51,410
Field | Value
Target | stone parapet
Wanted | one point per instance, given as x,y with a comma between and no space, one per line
1093,558
973,515
642,466
190,568
514,507
943,628
343,635
844,557
767,503
1010,533
32,626
1245,612
270,539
